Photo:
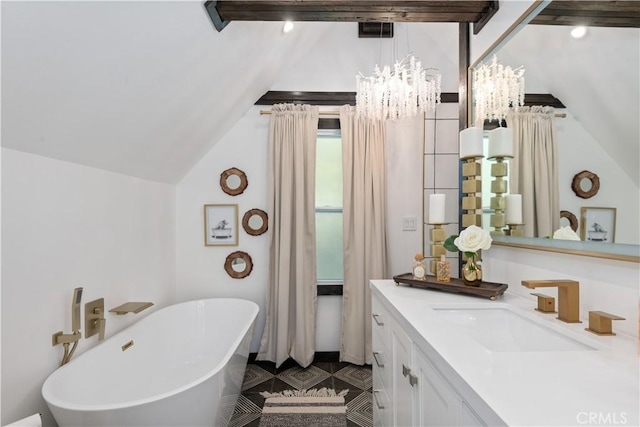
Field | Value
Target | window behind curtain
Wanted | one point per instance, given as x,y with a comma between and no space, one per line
329,207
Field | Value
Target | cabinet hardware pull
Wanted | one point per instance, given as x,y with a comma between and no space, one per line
375,397
405,371
378,322
375,357
413,380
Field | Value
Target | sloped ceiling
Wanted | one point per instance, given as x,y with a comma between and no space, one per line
139,88
597,77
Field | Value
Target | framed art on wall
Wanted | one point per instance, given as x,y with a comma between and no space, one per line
598,224
221,225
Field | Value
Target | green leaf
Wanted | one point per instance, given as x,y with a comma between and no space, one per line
449,245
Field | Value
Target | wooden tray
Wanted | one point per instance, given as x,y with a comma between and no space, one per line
486,289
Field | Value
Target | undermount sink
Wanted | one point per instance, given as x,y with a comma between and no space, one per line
501,329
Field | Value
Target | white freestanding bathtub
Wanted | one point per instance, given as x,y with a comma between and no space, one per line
184,368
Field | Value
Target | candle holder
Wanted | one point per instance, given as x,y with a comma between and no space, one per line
515,230
437,235
471,186
498,186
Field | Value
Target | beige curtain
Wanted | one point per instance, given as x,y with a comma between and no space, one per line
290,329
365,245
534,169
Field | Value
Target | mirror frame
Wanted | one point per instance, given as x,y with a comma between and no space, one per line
255,231
573,220
233,172
228,264
577,180
628,253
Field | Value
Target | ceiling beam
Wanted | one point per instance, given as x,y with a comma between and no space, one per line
224,11
590,13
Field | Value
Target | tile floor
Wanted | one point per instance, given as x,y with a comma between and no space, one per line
263,376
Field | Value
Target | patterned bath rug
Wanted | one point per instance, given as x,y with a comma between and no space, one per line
318,408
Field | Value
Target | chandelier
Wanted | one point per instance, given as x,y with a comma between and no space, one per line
404,91
496,89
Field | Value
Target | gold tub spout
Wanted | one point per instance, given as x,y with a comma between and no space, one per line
568,297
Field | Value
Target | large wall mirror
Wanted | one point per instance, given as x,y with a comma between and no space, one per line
597,78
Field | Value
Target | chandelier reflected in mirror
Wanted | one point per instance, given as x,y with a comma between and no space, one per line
496,89
405,90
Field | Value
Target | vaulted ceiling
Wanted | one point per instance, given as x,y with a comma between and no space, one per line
147,88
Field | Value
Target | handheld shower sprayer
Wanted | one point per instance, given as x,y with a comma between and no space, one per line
75,310
74,337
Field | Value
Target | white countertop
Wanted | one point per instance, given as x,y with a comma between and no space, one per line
536,388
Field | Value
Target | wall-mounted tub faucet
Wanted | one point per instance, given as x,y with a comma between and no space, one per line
66,339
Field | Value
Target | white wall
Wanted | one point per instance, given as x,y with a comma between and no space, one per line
200,269
578,151
508,13
330,65
404,147
605,285
65,226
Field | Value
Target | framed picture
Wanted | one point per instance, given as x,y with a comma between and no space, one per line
598,224
221,225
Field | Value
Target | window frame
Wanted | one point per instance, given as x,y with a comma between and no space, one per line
329,127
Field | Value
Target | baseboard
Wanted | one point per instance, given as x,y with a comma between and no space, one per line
319,356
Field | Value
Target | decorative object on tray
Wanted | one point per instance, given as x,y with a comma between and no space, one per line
470,241
485,289
443,270
437,234
419,268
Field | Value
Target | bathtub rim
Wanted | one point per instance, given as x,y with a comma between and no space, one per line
52,400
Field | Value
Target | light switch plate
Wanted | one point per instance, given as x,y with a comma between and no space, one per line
409,223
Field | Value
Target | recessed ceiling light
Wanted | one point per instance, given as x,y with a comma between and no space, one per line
578,32
288,26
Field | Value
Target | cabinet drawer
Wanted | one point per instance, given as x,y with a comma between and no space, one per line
381,364
382,405
380,323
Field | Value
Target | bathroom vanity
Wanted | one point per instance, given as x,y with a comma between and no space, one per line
444,359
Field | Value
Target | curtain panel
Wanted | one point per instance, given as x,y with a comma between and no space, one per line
364,229
534,169
290,328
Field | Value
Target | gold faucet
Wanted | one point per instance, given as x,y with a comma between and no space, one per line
568,297
66,339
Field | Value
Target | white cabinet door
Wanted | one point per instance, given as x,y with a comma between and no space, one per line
437,404
402,388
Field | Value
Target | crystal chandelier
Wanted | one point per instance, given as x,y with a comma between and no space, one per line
404,91
497,88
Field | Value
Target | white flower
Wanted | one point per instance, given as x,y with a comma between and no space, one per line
565,233
472,239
